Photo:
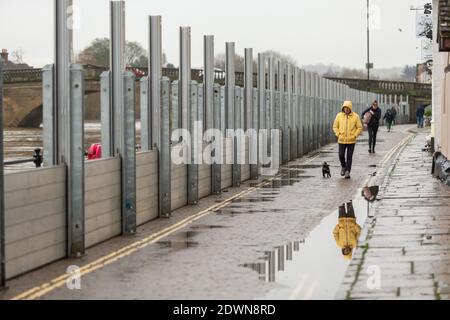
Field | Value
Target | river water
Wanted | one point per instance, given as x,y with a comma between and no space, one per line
19,143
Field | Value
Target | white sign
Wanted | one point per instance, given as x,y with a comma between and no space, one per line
427,49
424,25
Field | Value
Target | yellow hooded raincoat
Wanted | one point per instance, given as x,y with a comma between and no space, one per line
347,127
346,233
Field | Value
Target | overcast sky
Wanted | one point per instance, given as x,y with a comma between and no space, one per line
326,31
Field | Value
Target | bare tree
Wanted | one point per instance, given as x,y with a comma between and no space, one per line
278,55
17,56
239,62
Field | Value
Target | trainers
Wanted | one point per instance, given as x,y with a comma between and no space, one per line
347,174
342,172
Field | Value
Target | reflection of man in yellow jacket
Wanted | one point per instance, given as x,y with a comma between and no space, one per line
347,231
347,127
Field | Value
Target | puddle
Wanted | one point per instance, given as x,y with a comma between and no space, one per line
179,241
312,268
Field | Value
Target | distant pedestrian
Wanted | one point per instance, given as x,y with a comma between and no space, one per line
372,116
347,127
419,114
394,116
347,231
389,117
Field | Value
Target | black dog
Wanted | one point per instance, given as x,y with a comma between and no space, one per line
326,170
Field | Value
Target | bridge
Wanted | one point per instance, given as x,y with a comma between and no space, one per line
415,92
23,92
214,145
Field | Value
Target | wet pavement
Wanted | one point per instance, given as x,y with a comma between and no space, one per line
273,241
404,252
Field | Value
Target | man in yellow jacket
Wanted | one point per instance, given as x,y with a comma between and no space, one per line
347,231
347,127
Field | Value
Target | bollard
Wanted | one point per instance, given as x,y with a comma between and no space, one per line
37,157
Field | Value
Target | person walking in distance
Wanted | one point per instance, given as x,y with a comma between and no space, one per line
389,119
419,114
394,116
372,116
347,127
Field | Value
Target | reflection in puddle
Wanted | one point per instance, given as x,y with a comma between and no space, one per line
315,267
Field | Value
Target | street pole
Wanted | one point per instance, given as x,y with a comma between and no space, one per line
368,47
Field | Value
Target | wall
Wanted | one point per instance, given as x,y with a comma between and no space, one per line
35,219
146,186
178,182
102,200
226,173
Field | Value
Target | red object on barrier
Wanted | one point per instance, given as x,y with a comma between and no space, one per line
95,151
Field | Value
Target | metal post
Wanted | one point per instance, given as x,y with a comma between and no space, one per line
75,165
288,113
154,82
251,110
301,113
174,116
313,111
262,149
200,111
164,159
248,88
63,57
216,175
117,58
2,190
253,148
261,90
282,108
50,116
271,109
223,114
294,118
145,115
106,116
236,168
128,155
229,85
192,167
208,82
310,112
185,75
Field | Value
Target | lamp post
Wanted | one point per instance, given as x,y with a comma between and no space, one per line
368,46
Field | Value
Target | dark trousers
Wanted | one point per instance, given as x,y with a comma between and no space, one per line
346,160
373,130
349,213
419,121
